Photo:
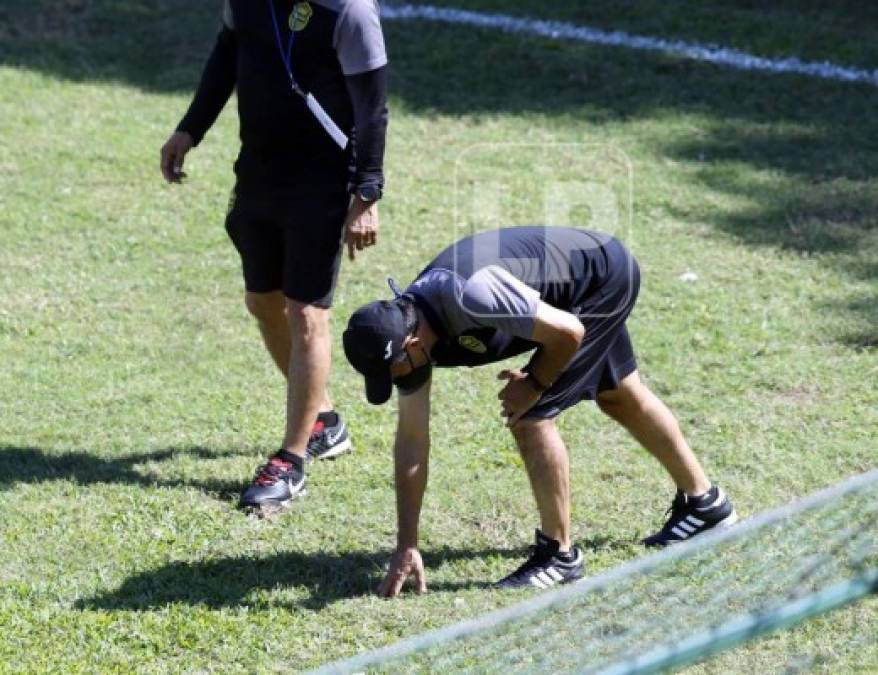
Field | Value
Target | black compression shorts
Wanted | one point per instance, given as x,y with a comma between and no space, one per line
290,240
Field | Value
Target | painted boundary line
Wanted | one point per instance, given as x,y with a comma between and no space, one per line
559,30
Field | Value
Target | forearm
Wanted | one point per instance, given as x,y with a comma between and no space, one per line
368,92
216,86
411,472
554,355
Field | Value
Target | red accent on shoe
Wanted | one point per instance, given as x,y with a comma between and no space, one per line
319,426
270,471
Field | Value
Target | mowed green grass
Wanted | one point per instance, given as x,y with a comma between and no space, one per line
136,399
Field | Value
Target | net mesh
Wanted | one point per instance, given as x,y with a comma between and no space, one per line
675,606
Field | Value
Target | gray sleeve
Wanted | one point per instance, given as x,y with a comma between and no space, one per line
493,297
358,39
228,19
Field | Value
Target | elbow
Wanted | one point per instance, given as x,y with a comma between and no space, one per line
574,334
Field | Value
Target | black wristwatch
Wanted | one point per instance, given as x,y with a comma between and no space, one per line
368,194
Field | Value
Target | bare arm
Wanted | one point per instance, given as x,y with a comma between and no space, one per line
559,334
411,452
217,84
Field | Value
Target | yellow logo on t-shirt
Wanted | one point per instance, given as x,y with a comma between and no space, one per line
472,343
300,16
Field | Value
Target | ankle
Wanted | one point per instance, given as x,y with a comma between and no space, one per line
699,490
328,417
291,457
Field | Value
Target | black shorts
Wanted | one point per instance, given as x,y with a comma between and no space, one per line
290,240
606,355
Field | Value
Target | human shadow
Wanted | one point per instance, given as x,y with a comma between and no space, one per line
34,465
229,582
814,137
156,46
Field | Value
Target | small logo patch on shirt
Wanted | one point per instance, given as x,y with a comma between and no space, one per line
472,343
300,16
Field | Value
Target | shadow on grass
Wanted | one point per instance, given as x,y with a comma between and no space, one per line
229,582
813,138
158,46
33,465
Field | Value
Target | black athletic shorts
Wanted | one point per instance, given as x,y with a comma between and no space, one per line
606,355
290,239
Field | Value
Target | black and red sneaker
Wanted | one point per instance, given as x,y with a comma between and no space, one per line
277,483
329,438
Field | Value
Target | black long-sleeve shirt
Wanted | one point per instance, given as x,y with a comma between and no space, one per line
338,56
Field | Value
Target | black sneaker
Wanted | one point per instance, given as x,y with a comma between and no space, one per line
329,441
690,516
276,483
545,567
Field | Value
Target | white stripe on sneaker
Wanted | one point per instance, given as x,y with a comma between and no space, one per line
535,581
695,521
680,533
555,574
545,578
686,526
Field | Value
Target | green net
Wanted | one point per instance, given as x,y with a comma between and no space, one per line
675,607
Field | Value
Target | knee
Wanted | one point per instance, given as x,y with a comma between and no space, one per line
527,431
265,307
307,322
627,399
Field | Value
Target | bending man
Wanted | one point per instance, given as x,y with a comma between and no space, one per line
564,295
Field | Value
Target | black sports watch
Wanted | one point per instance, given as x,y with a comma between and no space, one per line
368,194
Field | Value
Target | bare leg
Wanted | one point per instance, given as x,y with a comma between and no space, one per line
548,469
270,312
654,426
308,372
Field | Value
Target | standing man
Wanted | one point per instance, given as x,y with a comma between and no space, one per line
312,91
563,294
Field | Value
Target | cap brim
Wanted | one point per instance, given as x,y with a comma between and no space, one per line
378,389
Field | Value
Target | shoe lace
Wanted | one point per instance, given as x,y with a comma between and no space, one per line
318,434
275,468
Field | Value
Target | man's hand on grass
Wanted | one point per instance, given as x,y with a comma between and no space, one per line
404,562
173,154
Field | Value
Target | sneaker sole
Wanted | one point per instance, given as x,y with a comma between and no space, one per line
336,450
726,522
271,508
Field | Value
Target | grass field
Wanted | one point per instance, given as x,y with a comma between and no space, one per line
136,399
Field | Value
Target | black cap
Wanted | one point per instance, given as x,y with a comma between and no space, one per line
374,337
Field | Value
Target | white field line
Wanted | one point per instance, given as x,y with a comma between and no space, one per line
568,31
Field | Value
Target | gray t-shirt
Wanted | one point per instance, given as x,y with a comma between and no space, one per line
490,298
481,294
483,319
357,38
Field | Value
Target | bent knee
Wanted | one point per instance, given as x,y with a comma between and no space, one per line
265,306
529,428
629,395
